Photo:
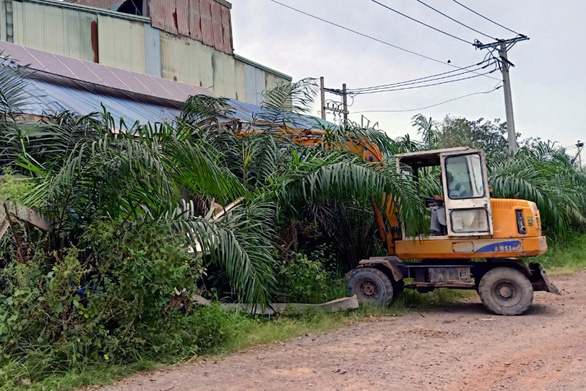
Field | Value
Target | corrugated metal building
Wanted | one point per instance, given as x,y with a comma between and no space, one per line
189,41
57,83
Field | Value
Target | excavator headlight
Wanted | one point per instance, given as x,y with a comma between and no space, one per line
520,222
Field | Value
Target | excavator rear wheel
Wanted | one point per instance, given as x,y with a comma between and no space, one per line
505,291
370,285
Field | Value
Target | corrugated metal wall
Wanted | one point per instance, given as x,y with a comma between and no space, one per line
186,60
130,43
240,81
53,29
121,43
224,70
272,80
2,21
254,84
152,44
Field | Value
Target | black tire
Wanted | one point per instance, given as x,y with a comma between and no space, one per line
506,291
370,285
398,287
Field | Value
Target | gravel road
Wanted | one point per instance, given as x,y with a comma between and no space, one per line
459,347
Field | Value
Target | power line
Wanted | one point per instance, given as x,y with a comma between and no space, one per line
457,21
419,78
421,23
427,78
423,86
430,106
370,37
484,17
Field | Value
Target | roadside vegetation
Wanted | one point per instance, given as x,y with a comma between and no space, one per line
137,227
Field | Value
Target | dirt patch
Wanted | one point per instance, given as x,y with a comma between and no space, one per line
452,348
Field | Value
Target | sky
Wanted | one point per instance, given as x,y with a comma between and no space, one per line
548,80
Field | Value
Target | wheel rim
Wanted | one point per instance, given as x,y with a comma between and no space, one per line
367,289
507,293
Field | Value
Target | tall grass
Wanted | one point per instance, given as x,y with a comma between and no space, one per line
565,257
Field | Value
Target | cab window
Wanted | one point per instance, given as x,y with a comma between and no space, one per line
464,177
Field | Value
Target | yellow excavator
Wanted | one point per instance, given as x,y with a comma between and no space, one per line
480,245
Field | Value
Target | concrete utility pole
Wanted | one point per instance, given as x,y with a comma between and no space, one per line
505,65
503,45
323,97
345,104
334,108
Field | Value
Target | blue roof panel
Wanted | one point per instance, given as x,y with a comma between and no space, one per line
50,98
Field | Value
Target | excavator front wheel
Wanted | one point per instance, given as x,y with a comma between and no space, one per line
505,291
370,285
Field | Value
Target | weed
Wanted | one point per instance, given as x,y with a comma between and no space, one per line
301,280
566,257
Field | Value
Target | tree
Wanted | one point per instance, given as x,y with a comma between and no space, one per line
461,132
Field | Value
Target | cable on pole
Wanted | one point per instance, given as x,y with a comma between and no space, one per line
484,17
430,106
371,37
422,86
422,23
426,79
455,20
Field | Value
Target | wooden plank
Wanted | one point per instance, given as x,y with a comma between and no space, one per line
342,304
207,32
21,213
30,216
182,15
195,20
217,29
227,31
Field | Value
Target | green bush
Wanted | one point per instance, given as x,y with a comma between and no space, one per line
301,280
13,188
129,300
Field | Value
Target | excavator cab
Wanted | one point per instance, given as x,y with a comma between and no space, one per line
476,226
465,192
481,243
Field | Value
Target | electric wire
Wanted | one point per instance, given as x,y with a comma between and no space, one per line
338,91
484,17
430,106
428,78
423,79
370,37
394,89
422,23
455,20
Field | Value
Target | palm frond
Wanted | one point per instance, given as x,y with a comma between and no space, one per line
282,103
241,242
337,176
13,86
196,167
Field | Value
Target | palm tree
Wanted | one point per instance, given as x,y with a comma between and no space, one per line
85,172
543,173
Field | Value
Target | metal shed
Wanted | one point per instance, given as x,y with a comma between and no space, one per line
59,83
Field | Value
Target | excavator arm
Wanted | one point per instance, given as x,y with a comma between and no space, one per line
364,148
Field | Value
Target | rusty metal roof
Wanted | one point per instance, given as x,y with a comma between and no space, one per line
101,75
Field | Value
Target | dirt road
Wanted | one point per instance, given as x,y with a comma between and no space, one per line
453,348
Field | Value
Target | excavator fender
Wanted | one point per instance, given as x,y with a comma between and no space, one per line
534,272
540,281
391,266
